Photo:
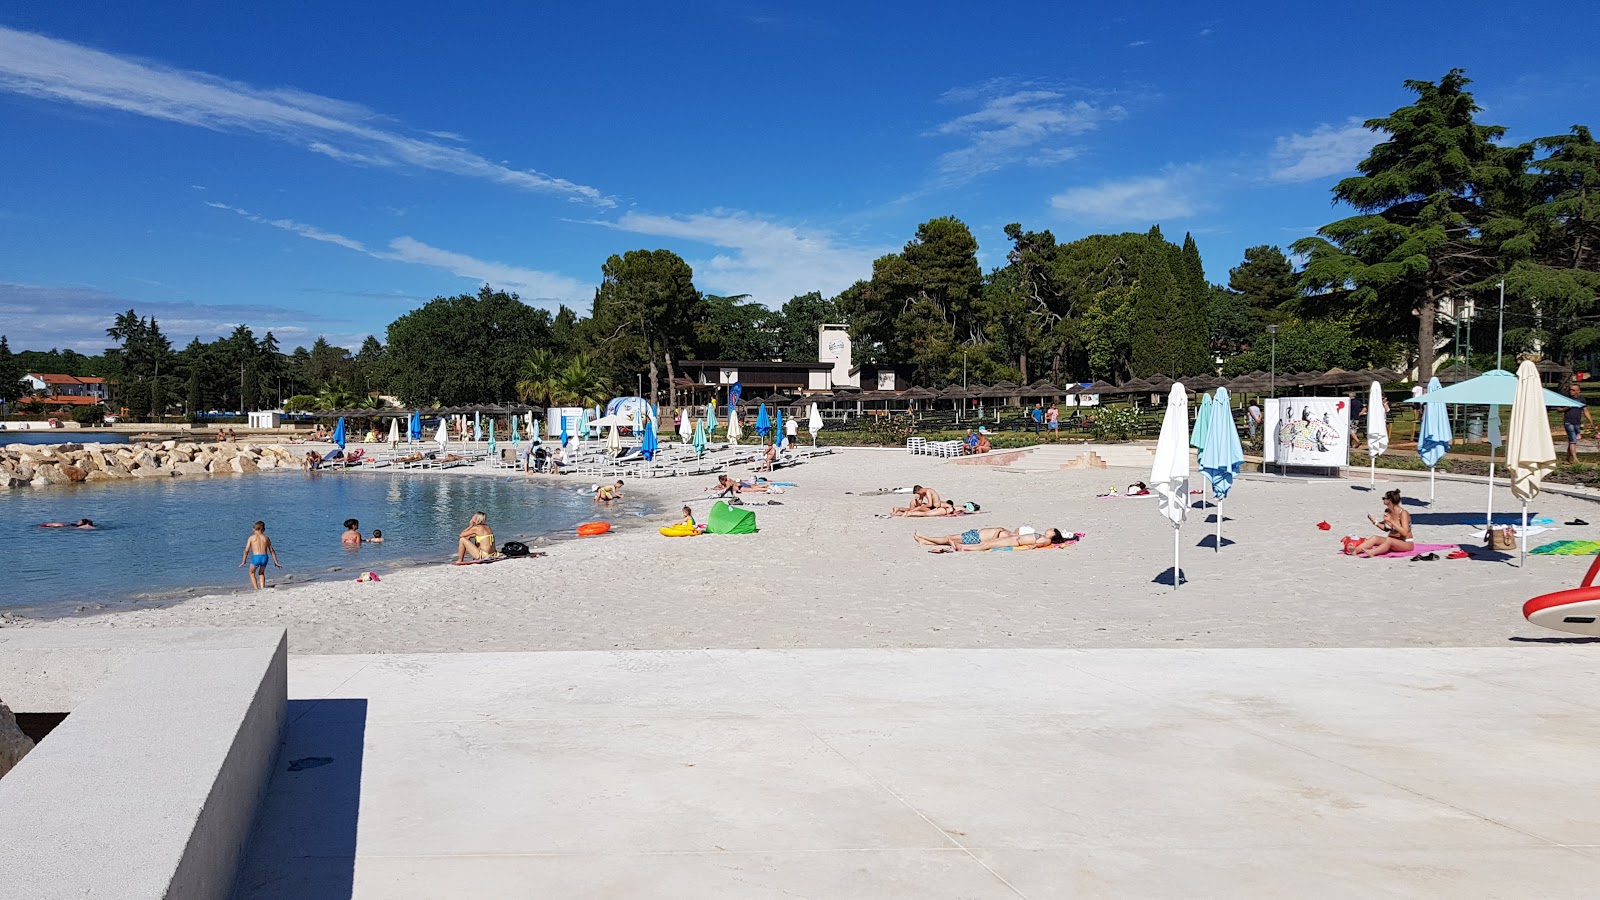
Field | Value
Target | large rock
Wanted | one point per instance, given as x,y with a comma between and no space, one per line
243,465
48,474
73,473
151,472
191,468
99,475
14,745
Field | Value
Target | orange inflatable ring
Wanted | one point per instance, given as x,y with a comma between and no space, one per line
590,529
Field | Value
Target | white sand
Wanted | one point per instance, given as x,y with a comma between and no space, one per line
824,572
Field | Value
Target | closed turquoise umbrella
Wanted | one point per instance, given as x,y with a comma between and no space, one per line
516,435
711,417
492,446
1221,456
763,421
700,438
777,427
1433,440
1202,422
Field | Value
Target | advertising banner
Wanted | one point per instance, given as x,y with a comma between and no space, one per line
1308,431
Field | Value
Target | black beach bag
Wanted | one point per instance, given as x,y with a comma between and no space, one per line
514,548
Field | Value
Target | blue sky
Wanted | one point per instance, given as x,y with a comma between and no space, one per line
316,168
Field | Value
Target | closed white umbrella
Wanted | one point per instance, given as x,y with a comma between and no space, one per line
685,426
734,428
614,439
1530,453
443,437
1169,475
1377,431
394,432
814,425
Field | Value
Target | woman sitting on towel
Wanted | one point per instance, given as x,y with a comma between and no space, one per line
477,539
1396,526
1023,538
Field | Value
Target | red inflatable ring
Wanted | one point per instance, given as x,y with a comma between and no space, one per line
590,529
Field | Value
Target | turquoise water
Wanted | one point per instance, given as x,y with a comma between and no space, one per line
57,436
182,535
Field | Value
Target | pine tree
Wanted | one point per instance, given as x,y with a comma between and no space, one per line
11,373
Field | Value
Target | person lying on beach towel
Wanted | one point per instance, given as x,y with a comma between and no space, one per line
1023,537
727,487
948,508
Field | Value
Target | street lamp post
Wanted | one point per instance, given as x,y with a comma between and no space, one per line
1272,379
1500,339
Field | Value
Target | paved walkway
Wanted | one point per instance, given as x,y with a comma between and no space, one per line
1454,772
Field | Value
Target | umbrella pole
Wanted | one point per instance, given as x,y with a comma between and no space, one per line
1522,539
1430,485
1219,526
1489,522
1372,472
1177,572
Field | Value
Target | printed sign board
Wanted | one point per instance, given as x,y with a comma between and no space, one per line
1308,431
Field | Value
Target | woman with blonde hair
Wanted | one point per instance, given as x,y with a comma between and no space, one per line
477,539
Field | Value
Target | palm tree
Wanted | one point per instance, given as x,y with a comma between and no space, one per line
580,383
334,395
538,381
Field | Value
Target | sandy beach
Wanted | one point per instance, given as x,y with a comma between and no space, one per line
826,571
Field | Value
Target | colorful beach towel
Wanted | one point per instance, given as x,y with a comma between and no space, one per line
1567,548
1417,549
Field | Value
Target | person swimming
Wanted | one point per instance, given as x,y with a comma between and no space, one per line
81,523
377,536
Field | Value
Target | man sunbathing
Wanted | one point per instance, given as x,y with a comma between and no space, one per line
948,508
1023,538
727,487
921,498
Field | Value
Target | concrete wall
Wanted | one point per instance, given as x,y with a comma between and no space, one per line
150,787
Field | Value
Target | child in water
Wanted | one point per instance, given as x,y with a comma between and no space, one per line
377,536
257,548
352,533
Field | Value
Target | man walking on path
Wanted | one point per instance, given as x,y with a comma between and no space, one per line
1038,416
1573,419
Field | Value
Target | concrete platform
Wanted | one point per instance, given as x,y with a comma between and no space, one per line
938,773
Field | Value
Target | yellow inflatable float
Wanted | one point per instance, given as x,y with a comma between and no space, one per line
682,529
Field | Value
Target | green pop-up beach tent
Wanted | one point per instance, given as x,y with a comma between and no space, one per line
724,519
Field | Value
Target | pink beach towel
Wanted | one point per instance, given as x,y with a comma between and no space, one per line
1417,549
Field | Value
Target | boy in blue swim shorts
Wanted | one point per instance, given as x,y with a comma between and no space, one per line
257,550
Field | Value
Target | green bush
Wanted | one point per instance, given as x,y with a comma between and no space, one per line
1117,423
89,416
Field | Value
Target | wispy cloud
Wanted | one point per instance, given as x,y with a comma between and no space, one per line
37,66
1137,43
300,228
39,317
768,260
531,284
1147,199
1015,126
1328,150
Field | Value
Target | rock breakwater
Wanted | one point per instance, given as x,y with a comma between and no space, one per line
43,465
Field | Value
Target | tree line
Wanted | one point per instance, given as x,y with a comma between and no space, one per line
1442,212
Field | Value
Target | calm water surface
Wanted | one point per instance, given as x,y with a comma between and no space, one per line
57,436
169,536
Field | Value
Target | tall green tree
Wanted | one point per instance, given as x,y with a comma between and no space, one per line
464,349
797,324
11,372
537,380
736,328
1419,199
648,296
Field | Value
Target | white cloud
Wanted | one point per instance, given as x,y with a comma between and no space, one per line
1019,126
1328,150
530,284
300,228
37,66
770,261
40,317
1137,43
1146,199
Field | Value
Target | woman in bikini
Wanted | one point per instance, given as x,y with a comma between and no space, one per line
477,540
1022,538
1396,527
